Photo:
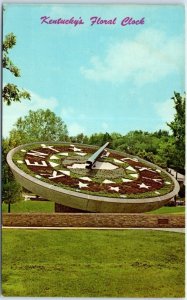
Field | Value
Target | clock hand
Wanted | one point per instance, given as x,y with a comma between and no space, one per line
92,159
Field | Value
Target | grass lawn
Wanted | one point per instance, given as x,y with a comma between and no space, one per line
30,206
169,210
48,206
92,263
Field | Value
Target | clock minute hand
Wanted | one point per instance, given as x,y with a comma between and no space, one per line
92,159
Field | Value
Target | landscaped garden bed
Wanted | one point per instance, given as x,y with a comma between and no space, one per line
64,166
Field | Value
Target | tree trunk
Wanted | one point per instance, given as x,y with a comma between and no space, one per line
9,207
175,198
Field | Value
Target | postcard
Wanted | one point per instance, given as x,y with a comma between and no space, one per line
93,150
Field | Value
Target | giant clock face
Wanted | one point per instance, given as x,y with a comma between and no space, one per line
114,177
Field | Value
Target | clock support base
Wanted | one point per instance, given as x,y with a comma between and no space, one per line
59,208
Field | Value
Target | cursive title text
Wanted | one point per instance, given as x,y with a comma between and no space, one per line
93,21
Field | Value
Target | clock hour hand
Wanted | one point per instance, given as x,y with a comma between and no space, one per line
92,159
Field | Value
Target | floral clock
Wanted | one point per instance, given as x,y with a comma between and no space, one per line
91,178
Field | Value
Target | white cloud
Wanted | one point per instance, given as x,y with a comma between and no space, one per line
20,109
149,57
165,110
69,113
75,128
72,118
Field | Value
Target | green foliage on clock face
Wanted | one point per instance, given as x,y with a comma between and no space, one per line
95,175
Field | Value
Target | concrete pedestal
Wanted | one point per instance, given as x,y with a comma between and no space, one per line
59,208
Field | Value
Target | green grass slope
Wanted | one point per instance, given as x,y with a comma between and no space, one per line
92,263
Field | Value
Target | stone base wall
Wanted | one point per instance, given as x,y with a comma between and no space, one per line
116,220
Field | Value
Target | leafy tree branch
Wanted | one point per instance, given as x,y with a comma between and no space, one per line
11,93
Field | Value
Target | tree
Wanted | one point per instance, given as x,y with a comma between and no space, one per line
106,138
166,153
160,133
96,139
85,139
11,190
178,128
79,138
11,92
178,124
40,125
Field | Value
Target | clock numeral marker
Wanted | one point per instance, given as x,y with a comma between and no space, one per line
118,161
115,188
126,180
36,153
130,169
36,164
67,173
146,169
19,161
76,149
106,181
55,175
144,186
158,180
134,175
81,154
82,185
54,157
49,147
64,153
158,193
85,178
53,164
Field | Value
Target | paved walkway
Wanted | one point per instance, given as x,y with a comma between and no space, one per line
181,230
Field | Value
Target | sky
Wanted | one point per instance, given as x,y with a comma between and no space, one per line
100,77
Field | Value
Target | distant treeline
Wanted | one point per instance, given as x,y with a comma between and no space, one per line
157,147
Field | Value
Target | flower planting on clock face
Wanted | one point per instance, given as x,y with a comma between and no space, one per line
113,174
